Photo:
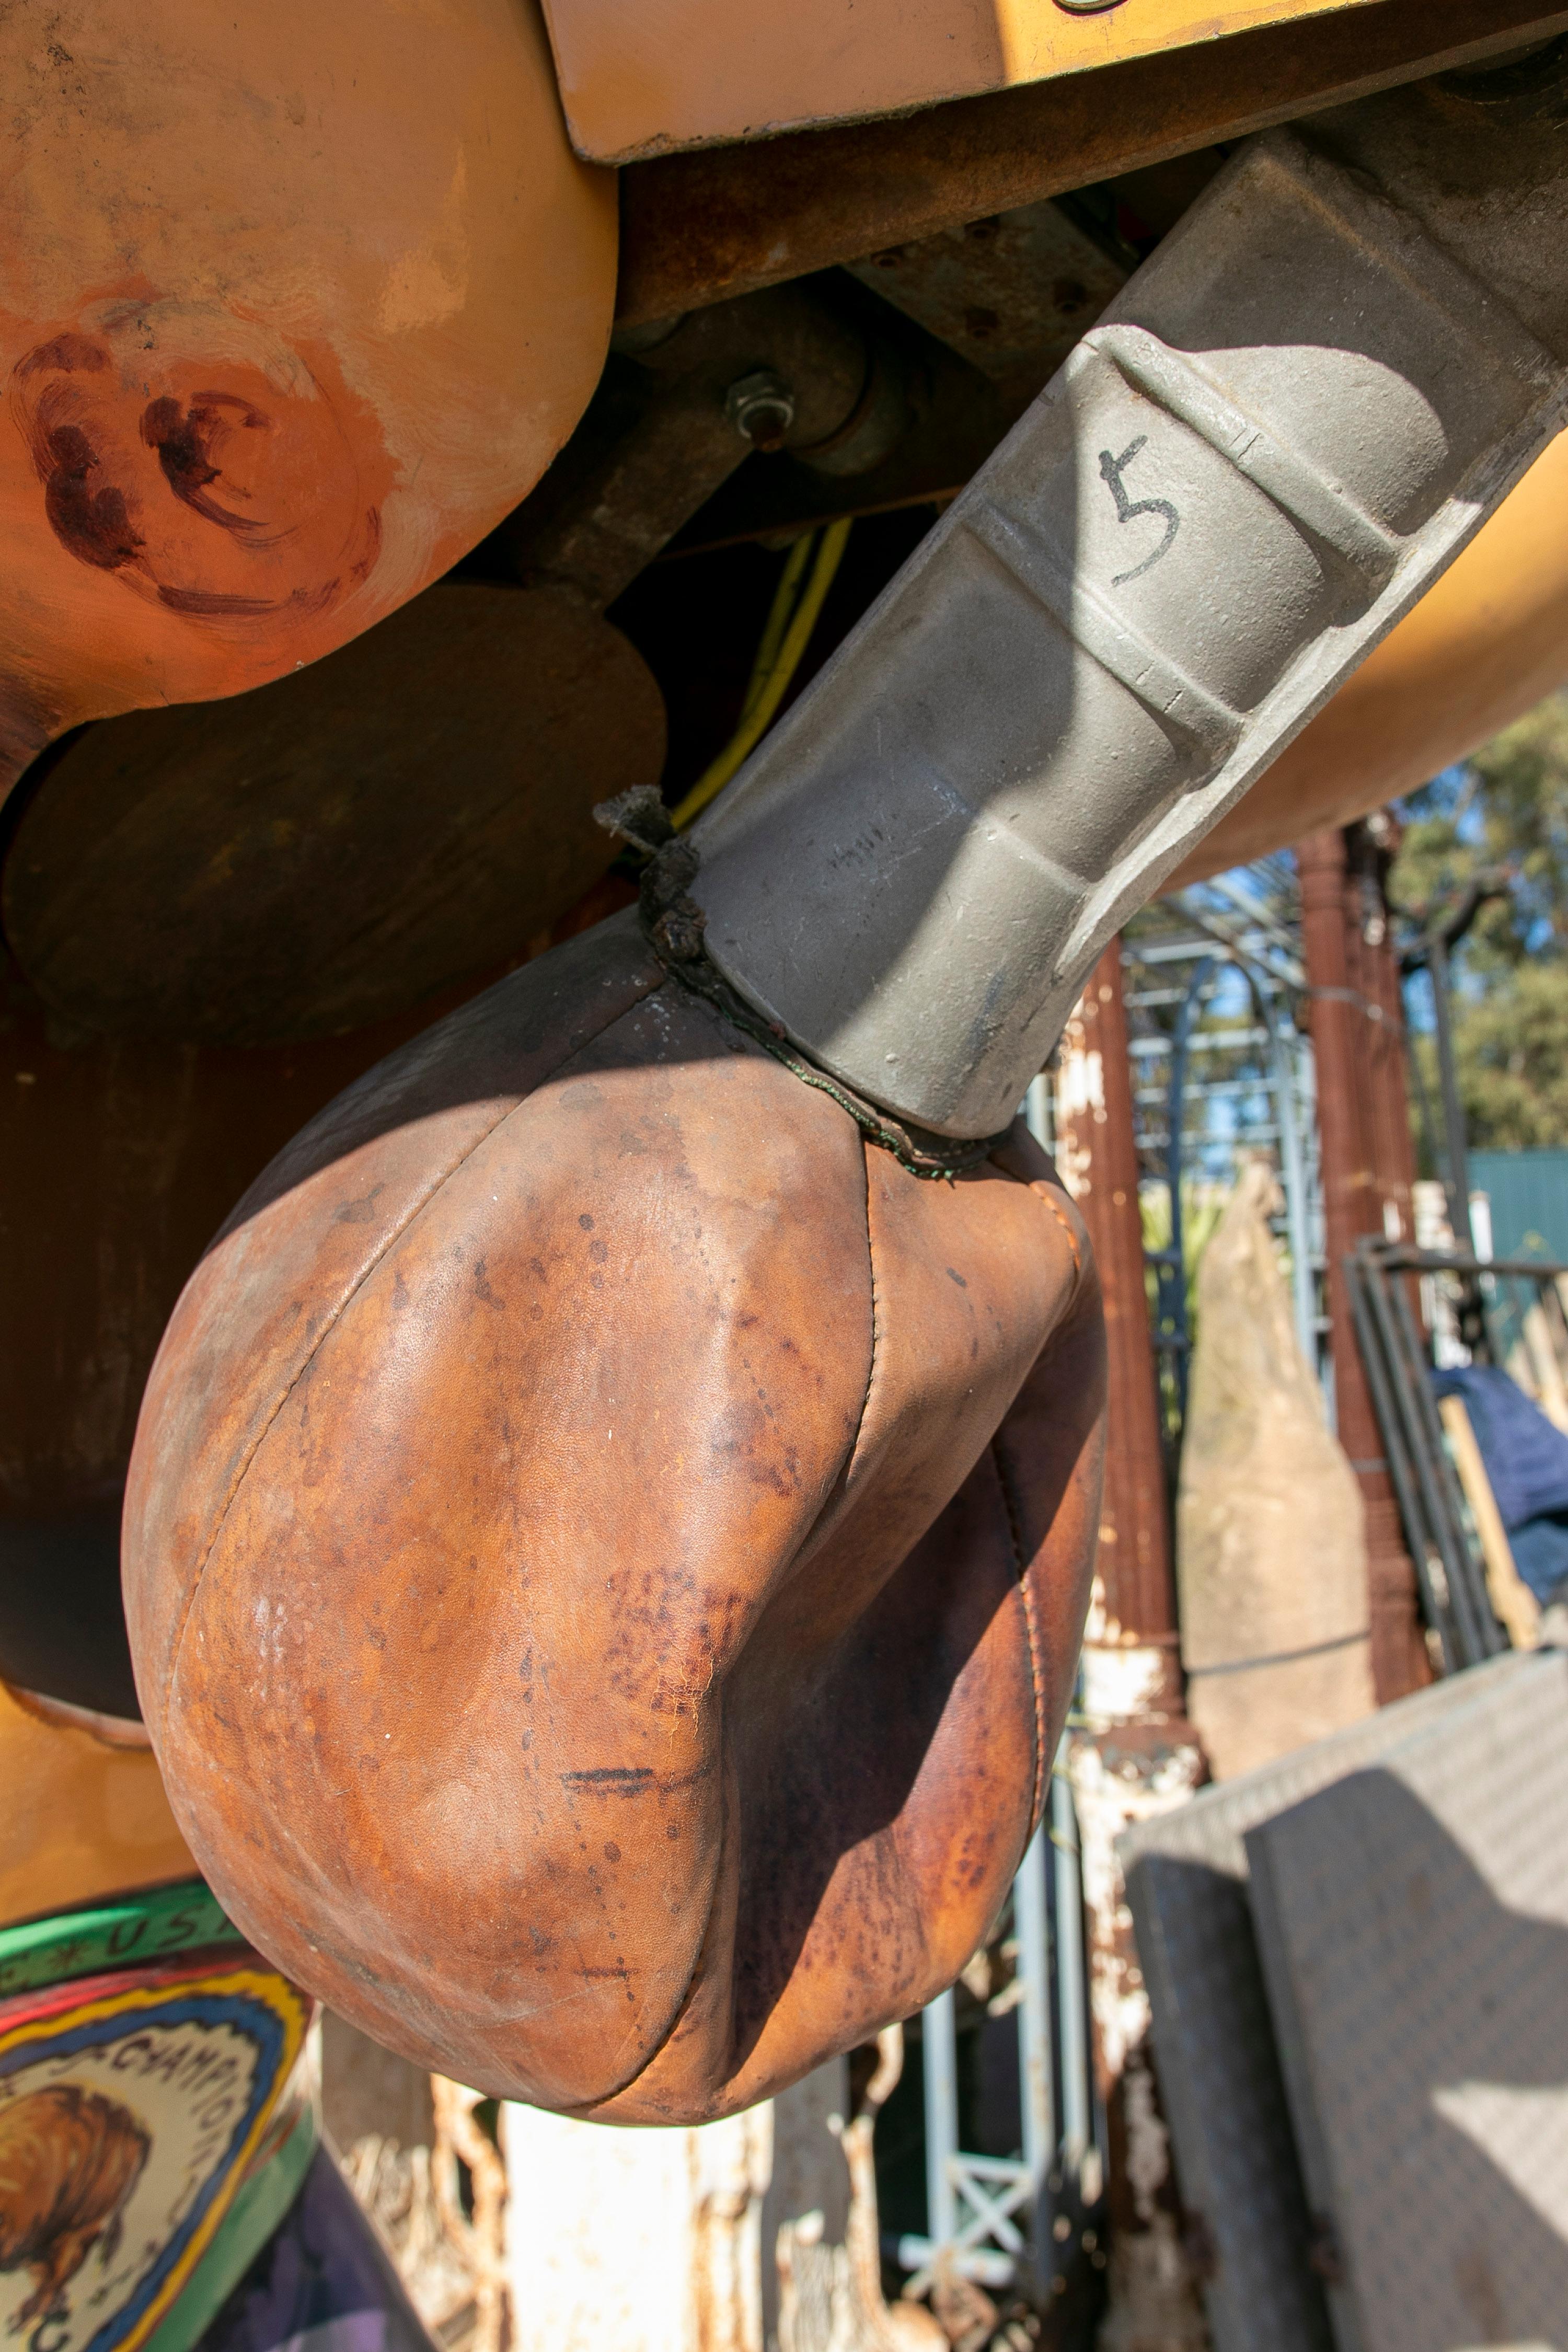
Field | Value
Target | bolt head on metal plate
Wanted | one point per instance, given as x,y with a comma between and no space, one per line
761,407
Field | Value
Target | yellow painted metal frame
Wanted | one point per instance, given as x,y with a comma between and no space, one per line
81,1818
645,76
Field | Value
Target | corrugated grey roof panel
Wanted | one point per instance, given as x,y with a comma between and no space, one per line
1413,1925
1220,2075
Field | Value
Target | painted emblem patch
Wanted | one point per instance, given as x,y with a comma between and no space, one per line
130,2107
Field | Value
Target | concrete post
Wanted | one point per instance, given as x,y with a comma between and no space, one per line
650,2241
755,2234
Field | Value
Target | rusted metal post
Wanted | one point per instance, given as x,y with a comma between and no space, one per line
1353,989
1370,850
1099,1160
1136,1754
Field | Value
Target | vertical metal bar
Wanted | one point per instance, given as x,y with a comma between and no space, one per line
1439,1489
1292,1168
1393,1436
1321,1355
1036,2075
1483,1629
1548,1298
1473,1625
1490,1349
1175,1109
1423,1099
1457,1152
1406,1391
1352,1211
1072,2018
939,2053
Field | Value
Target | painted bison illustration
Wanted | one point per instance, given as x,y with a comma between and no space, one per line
68,2161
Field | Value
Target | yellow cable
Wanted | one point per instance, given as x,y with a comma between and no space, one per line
779,615
766,700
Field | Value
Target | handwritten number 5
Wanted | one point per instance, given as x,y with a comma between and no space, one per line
1111,471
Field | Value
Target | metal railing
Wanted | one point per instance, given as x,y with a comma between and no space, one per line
1490,1298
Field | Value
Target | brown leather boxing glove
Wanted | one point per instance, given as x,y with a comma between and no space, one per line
594,1628
549,1603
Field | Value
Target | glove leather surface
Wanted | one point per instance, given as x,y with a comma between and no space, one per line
606,1550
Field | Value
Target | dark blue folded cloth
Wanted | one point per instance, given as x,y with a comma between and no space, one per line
1540,1549
1527,1462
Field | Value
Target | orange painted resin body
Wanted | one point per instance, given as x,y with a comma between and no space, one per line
296,303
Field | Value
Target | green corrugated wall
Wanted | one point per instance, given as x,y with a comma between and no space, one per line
1529,1193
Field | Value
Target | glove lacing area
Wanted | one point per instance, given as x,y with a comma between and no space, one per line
673,924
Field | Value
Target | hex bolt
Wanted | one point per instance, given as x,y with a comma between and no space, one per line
761,407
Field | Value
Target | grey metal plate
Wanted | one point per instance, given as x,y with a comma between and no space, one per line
1213,2040
1413,1924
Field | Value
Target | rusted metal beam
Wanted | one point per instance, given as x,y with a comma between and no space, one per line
1098,1161
1399,1659
1371,847
701,227
1133,1752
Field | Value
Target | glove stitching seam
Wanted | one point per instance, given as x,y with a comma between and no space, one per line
415,1211
1068,1227
876,1325
1037,1679
673,925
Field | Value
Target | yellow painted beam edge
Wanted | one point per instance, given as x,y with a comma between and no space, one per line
1041,41
853,60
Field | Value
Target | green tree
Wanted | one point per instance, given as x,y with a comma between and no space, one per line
1505,811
